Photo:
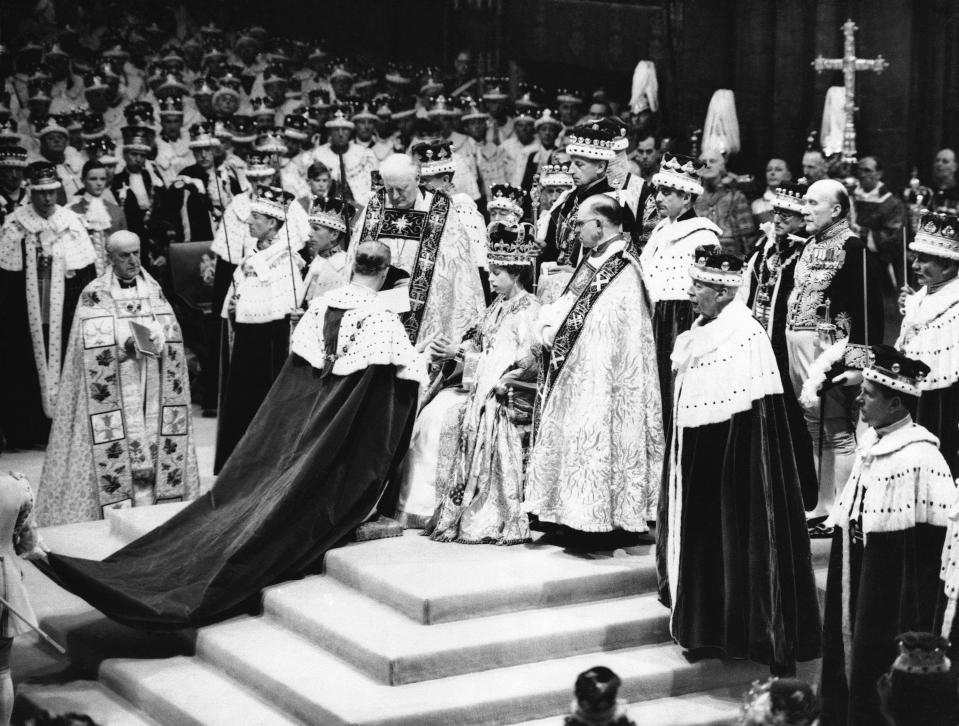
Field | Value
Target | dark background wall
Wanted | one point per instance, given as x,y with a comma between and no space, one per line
761,49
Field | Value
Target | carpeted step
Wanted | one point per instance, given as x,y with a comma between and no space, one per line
186,692
718,707
436,582
321,689
87,698
394,649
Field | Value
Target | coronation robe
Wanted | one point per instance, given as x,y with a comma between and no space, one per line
123,433
769,277
313,466
430,243
666,259
597,450
884,565
930,333
232,243
267,288
732,550
474,478
44,266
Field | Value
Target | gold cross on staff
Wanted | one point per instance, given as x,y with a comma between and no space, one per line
849,64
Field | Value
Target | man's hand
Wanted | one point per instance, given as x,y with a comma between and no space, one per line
443,349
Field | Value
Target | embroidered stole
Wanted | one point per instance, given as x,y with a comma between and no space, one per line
572,326
122,445
424,227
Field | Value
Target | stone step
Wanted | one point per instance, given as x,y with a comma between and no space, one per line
719,707
437,582
319,688
88,698
394,649
184,691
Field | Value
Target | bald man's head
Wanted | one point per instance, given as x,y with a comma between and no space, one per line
826,202
123,249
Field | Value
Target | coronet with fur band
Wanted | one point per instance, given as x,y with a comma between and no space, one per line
271,202
203,136
138,138
789,197
340,119
556,175
13,157
922,654
42,177
681,173
258,166
512,244
890,368
717,268
506,197
434,157
331,212
938,235
590,141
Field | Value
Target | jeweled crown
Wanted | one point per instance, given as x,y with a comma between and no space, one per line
512,244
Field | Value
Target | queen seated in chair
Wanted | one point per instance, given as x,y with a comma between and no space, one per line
475,476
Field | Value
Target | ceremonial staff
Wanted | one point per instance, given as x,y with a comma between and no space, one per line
56,646
226,227
289,249
534,201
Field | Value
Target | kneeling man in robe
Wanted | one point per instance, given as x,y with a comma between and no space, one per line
122,433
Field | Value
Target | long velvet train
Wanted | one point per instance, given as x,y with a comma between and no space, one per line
313,465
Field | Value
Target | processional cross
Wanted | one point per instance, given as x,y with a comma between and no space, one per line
849,64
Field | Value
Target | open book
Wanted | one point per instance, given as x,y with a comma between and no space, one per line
141,340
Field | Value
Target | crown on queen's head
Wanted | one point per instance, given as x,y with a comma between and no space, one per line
512,244
938,235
